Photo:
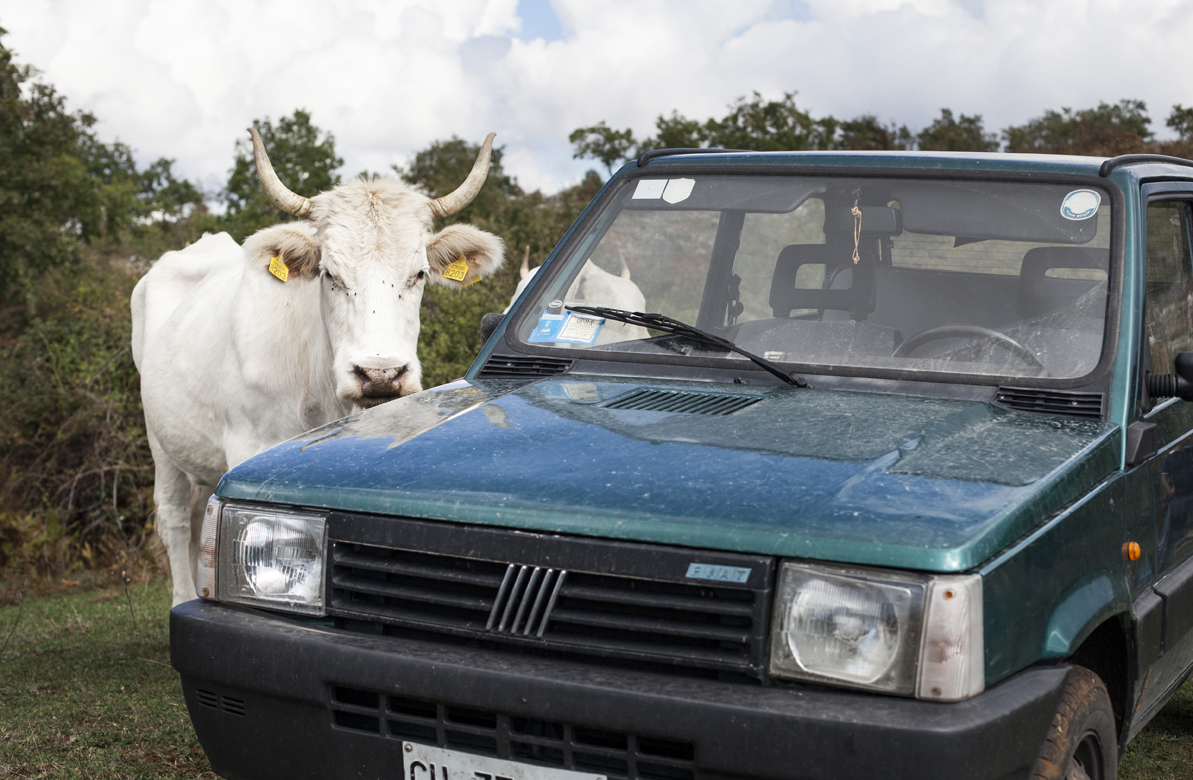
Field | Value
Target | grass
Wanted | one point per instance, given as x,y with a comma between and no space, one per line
1164,751
86,690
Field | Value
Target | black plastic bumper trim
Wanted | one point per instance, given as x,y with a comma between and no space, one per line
284,672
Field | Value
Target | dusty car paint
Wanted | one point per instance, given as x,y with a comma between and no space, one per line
842,476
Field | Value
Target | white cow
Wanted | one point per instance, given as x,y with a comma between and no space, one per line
597,287
240,348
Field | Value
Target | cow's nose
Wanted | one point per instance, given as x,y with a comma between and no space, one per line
379,382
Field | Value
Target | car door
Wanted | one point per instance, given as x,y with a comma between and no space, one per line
1168,331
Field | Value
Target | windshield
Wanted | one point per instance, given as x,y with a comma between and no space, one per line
987,278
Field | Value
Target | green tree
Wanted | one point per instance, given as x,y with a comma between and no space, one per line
444,165
603,143
59,186
304,158
676,132
770,126
166,197
1180,120
1106,130
867,133
949,134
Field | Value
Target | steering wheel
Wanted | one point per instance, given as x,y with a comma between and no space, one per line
963,332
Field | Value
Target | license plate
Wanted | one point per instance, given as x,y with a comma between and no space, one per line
422,762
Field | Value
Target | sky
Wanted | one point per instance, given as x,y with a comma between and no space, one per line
182,78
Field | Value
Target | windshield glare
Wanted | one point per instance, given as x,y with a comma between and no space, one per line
973,277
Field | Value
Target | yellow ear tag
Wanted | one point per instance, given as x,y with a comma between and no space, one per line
278,268
457,270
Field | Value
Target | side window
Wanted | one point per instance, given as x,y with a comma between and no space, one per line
1167,306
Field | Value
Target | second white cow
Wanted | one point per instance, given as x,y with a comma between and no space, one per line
240,348
595,286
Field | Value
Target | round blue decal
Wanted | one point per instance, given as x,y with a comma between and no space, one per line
1080,204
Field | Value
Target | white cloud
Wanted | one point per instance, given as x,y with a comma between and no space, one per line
183,78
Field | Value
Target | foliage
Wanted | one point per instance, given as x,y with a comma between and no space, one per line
676,132
303,157
603,143
1105,131
60,187
769,126
867,133
75,474
965,134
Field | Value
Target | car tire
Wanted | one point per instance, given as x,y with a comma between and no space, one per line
1082,742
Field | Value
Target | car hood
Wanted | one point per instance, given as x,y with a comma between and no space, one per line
867,478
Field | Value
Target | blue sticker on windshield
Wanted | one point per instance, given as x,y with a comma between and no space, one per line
547,329
1080,204
570,328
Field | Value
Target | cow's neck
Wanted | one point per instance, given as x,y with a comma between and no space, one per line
284,356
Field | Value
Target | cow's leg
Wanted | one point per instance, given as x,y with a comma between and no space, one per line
172,500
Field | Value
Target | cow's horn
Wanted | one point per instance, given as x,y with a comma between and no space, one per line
284,199
451,203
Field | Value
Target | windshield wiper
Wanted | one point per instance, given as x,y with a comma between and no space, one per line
667,325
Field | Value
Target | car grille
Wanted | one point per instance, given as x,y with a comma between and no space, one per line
511,737
541,592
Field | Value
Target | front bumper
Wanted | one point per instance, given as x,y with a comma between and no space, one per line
276,698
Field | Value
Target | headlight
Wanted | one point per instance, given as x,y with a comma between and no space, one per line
272,559
881,631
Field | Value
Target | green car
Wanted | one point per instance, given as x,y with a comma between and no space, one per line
783,465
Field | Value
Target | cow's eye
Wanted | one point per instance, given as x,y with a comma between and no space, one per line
422,275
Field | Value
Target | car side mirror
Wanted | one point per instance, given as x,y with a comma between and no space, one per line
1178,385
489,323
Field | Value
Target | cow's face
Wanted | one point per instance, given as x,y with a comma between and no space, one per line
372,253
378,253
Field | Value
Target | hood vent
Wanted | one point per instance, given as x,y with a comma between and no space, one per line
1087,405
681,401
522,367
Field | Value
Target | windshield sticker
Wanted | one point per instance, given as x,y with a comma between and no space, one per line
547,329
578,329
678,190
649,189
569,327
709,571
1080,204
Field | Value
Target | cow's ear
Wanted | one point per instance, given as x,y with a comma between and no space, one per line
293,245
482,255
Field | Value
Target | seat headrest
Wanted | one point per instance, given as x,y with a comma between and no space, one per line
785,296
1041,294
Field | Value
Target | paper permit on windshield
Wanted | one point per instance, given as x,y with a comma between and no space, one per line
570,328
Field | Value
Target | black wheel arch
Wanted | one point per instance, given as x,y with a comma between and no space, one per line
1106,652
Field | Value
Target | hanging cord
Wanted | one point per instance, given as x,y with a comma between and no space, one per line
857,230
